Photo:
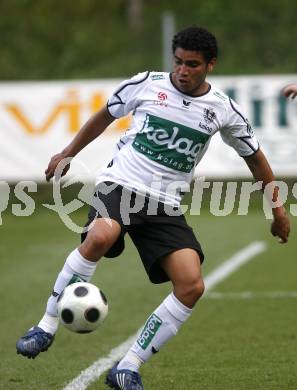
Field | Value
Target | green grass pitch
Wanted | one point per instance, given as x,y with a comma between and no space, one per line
229,343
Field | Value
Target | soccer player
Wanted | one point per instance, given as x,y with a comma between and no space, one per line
174,117
290,91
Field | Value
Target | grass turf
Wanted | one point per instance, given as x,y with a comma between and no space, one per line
234,344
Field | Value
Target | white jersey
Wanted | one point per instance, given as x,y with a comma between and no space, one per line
170,133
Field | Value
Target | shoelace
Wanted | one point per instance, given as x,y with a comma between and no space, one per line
38,337
135,379
131,379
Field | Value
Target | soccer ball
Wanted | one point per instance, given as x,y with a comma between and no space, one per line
82,307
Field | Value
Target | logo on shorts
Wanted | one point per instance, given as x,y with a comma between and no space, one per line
150,329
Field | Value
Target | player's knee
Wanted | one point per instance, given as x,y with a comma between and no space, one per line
97,242
197,289
191,291
101,240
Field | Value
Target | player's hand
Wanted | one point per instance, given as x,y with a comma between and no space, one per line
52,166
280,227
290,91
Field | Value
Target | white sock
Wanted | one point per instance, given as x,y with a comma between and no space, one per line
159,328
49,324
76,269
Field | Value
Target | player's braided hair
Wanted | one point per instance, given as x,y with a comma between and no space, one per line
196,39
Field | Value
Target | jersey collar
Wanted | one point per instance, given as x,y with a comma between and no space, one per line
187,94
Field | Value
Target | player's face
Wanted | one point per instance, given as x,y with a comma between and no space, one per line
190,70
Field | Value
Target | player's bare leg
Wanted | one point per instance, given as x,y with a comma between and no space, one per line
80,265
184,270
100,238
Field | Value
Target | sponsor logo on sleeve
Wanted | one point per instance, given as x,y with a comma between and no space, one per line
155,77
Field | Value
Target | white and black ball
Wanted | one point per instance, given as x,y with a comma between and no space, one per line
82,307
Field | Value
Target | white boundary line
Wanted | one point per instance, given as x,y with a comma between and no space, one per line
252,295
92,373
231,265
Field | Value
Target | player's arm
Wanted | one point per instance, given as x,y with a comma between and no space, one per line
90,130
290,91
261,171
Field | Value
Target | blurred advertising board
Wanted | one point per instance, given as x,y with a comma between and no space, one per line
38,119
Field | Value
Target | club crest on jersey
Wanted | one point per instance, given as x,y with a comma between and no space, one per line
209,115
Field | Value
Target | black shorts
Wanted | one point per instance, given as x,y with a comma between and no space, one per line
154,233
